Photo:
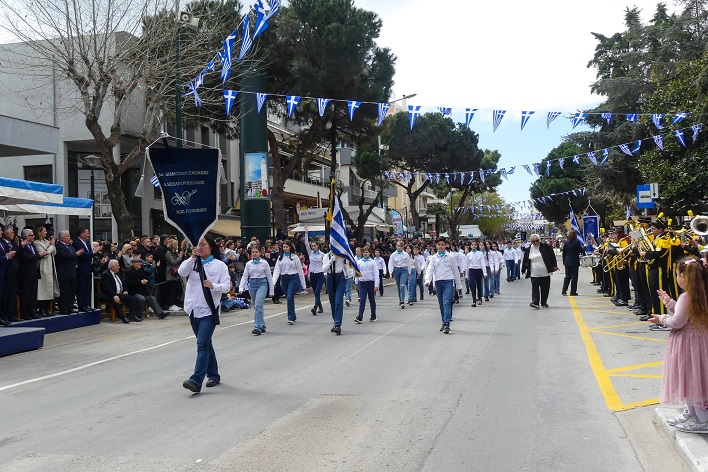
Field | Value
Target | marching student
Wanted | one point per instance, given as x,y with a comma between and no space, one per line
335,268
416,271
477,272
288,270
256,274
366,284
443,268
497,266
420,263
510,262
400,266
316,274
382,270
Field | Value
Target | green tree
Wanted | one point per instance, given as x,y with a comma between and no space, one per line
324,48
368,163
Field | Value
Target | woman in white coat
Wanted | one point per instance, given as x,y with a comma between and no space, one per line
47,286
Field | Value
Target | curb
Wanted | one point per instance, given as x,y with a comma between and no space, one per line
692,448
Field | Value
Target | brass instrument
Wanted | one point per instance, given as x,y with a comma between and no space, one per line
619,261
699,225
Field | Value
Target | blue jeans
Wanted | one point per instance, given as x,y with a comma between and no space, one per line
258,288
316,280
400,275
366,289
497,279
348,288
206,358
445,290
486,282
411,284
517,270
291,285
509,270
336,284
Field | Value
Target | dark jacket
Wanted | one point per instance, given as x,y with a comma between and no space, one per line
11,265
29,263
84,262
133,282
549,258
572,250
160,254
108,285
65,261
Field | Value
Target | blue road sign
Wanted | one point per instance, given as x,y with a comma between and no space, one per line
644,199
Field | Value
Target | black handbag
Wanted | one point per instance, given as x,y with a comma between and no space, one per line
199,267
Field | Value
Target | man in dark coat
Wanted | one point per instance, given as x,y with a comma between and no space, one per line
114,292
8,302
572,250
28,275
65,262
160,254
136,283
5,256
84,269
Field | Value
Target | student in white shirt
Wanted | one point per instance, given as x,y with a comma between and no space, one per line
416,270
366,284
517,261
497,267
381,263
485,249
400,265
335,267
419,262
510,262
444,270
256,274
477,272
288,269
315,271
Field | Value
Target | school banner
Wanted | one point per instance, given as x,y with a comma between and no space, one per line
591,226
189,179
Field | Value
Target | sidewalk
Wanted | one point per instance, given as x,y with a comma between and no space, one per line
692,448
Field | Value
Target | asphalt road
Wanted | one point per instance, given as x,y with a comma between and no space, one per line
510,388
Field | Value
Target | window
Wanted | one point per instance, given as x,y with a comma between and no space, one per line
42,174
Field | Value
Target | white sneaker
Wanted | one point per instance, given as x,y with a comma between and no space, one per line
174,308
693,425
682,418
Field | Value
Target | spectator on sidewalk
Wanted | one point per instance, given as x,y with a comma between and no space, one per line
48,286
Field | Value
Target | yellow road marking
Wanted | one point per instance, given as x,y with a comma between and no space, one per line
611,312
637,376
634,367
636,323
602,375
622,335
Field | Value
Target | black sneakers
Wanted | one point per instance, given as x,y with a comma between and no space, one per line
446,328
336,329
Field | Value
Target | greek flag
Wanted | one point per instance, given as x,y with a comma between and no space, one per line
637,147
322,105
574,226
352,105
548,168
511,170
413,113
576,159
260,100
229,99
525,117
338,243
469,114
656,119
659,141
261,19
225,56
155,183
528,169
445,111
503,173
679,117
536,168
680,137
696,129
383,111
274,7
605,155
561,163
579,118
607,116
246,42
633,117
471,178
498,115
291,101
481,176
552,116
592,157
629,213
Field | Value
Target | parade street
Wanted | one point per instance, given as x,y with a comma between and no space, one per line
510,388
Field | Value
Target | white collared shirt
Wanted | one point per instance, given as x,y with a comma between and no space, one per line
476,260
289,265
217,273
369,271
442,267
253,270
399,260
381,263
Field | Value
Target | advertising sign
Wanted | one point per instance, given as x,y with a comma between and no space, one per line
256,181
397,223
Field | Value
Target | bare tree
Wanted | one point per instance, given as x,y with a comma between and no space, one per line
119,57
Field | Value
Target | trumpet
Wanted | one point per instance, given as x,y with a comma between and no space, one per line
618,262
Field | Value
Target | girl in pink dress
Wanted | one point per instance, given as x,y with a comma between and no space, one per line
685,372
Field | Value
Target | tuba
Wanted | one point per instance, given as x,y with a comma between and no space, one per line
699,225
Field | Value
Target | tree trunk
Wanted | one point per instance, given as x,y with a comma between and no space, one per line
364,214
123,217
278,190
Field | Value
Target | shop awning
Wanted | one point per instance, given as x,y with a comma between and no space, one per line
14,191
227,226
70,206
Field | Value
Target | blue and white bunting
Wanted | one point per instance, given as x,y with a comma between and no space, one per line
246,40
576,159
696,129
481,176
679,117
637,147
605,156
656,119
497,116
607,117
593,157
274,8
625,149
261,19
447,178
548,168
210,67
511,170
659,141
291,102
680,137
445,111
413,113
633,117
225,55
193,87
503,173
537,168
469,114
383,111
525,117
229,99
352,106
628,213
471,178
579,118
155,183
260,100
561,163
552,116
528,169
322,105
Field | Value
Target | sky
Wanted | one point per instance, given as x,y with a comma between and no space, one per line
511,55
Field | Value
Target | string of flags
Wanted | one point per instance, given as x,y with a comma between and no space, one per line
596,157
523,226
525,204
